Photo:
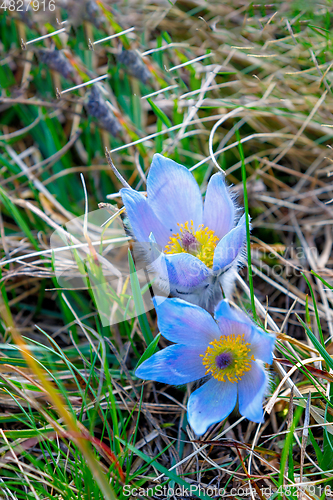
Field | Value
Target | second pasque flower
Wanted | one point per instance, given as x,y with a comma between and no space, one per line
197,247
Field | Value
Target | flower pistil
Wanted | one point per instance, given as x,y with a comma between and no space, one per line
230,357
199,242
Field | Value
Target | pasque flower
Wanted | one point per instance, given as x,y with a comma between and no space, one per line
229,353
199,245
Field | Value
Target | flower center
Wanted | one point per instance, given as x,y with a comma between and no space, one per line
199,242
228,357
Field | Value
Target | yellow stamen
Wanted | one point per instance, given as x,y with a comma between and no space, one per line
228,357
201,242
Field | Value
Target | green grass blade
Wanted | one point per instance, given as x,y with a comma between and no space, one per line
139,305
247,218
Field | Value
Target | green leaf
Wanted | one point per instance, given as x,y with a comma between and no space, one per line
307,311
170,474
322,280
319,453
12,209
322,351
246,208
151,349
160,114
139,305
315,309
287,445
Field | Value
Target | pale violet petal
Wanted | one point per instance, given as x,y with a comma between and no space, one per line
181,269
176,365
219,207
225,310
260,342
173,194
233,321
229,327
262,345
211,403
251,390
142,219
229,248
184,323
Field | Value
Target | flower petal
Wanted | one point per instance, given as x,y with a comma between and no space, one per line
262,345
224,310
176,365
231,320
185,323
180,270
228,327
251,390
142,218
173,194
229,248
219,207
210,404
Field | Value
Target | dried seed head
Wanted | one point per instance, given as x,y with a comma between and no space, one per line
83,10
57,61
97,107
25,17
134,65
94,14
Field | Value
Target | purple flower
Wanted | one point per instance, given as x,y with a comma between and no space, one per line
229,353
194,248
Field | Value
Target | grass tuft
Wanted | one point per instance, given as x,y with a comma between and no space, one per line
233,86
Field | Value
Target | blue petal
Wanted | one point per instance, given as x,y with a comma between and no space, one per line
142,218
180,270
231,320
262,345
224,310
176,365
228,327
251,390
173,194
229,248
185,323
219,208
210,404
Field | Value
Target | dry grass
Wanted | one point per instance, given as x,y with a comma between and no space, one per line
268,74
